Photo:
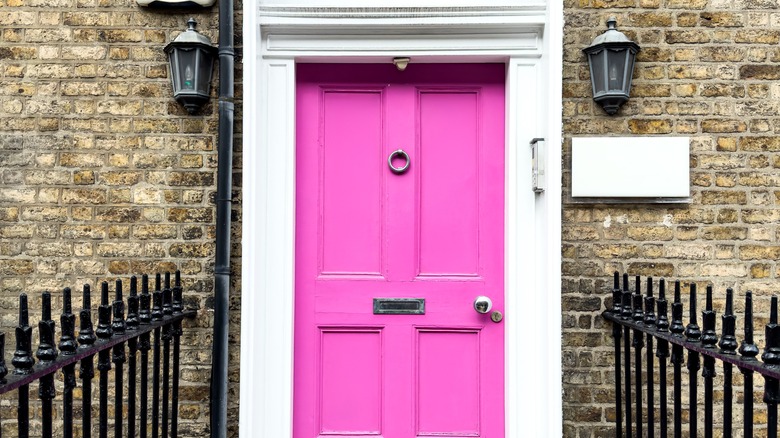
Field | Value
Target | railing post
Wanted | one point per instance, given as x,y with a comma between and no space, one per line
693,334
728,345
132,325
157,315
167,335
771,357
616,335
638,316
178,307
23,362
662,352
104,357
626,315
3,368
748,350
677,328
118,327
650,321
709,339
68,347
87,370
144,345
46,353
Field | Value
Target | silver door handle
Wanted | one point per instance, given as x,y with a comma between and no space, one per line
483,304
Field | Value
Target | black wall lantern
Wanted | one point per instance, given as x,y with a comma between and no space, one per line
611,58
191,57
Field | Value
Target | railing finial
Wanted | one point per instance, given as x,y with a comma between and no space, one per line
771,354
709,337
650,317
118,324
46,351
677,326
692,330
104,314
662,321
748,349
86,330
23,359
728,342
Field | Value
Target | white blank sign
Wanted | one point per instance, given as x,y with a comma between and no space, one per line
630,167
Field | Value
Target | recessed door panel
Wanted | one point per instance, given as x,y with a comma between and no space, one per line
399,227
448,402
449,150
351,183
350,382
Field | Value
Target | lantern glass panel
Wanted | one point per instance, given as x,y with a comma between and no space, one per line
204,71
598,64
617,60
186,67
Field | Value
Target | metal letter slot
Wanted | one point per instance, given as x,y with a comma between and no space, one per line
399,306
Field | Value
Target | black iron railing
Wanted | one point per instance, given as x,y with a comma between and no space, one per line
158,314
639,321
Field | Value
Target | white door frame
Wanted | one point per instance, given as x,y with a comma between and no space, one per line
529,40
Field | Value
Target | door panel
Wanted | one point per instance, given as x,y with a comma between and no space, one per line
448,150
434,233
351,184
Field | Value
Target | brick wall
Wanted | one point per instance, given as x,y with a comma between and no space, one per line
708,69
102,174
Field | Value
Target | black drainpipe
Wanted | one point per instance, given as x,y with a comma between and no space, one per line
219,361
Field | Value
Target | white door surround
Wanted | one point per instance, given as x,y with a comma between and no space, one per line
528,39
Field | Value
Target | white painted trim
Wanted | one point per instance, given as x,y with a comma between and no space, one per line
532,221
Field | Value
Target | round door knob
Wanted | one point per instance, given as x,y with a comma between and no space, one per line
483,304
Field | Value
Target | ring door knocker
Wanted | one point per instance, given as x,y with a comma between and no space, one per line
396,154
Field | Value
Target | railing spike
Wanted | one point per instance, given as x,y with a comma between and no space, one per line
103,330
46,351
728,342
748,349
23,358
118,324
692,330
616,295
709,337
157,300
86,331
677,326
649,317
662,321
177,293
145,301
637,313
132,305
771,355
167,296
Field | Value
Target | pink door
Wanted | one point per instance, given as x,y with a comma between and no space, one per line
389,263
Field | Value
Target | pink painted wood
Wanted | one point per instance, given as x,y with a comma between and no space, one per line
434,232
